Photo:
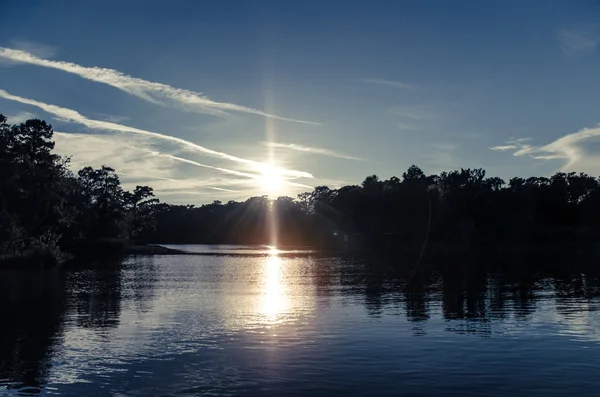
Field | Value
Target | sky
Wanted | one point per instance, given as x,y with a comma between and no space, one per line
223,100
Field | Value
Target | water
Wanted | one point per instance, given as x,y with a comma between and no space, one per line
283,325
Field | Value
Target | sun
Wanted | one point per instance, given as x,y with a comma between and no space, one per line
271,180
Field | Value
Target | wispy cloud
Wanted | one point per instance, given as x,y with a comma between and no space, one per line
137,165
390,83
157,153
114,150
224,170
406,127
503,148
312,150
574,149
19,117
73,116
414,117
37,49
173,184
154,92
197,164
582,39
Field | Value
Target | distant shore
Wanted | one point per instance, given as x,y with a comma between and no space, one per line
153,249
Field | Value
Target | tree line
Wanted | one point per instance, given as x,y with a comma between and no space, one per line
461,208
47,210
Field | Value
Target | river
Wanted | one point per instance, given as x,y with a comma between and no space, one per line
247,321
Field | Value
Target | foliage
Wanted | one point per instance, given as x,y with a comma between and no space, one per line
46,210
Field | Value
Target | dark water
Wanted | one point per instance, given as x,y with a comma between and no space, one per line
277,325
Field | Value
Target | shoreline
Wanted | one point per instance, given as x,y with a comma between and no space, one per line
31,262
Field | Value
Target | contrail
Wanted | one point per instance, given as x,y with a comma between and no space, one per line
197,164
183,160
76,117
232,172
178,181
147,90
313,150
160,154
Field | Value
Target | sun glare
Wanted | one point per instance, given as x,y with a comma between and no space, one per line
275,299
271,180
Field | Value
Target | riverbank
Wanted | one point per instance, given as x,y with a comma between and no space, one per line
46,259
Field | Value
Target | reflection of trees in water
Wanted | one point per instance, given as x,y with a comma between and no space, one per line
416,301
375,289
323,275
524,297
138,279
32,312
576,292
95,295
475,290
33,306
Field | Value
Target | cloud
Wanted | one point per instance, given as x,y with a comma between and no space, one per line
415,113
581,39
197,164
73,116
503,148
414,117
164,155
113,146
390,83
137,165
308,149
19,117
574,149
518,140
36,49
517,144
157,93
406,127
173,184
113,150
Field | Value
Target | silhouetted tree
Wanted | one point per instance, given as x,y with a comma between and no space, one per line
141,207
45,210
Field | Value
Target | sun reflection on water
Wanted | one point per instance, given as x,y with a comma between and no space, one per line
274,297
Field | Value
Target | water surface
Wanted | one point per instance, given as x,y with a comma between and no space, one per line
280,325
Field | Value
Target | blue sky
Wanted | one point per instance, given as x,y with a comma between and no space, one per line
305,93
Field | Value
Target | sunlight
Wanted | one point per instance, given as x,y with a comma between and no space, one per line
271,180
274,300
